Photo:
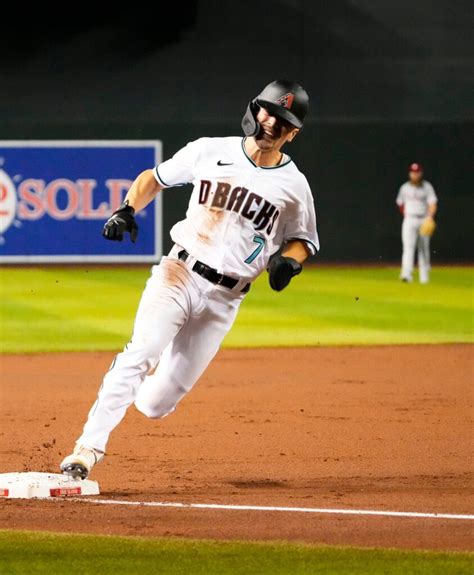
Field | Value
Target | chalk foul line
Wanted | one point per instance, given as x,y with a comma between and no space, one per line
313,510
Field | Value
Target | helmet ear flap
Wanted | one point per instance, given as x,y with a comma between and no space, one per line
250,126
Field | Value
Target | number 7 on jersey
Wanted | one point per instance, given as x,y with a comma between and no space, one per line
261,242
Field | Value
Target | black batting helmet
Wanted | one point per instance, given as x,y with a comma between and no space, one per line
283,99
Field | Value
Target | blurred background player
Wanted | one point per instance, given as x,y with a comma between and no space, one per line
418,203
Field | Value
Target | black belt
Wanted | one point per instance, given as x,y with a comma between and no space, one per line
211,274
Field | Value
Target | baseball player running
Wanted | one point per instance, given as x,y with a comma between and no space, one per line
249,200
418,203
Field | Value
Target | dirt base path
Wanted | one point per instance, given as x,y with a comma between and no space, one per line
384,428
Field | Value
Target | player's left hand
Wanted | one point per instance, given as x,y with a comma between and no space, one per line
428,227
281,270
122,220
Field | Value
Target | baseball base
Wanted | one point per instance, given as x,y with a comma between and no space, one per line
40,485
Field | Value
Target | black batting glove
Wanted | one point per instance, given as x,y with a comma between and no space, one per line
281,270
121,221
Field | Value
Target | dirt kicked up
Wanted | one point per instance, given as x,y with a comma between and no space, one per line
377,428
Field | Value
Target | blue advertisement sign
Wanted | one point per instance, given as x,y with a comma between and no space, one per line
55,197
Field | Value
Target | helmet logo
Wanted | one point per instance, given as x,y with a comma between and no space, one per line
286,100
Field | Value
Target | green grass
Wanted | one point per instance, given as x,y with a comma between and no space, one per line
34,553
68,309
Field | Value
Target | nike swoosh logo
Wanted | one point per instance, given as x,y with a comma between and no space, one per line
220,163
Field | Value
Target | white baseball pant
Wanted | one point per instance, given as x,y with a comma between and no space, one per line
411,240
181,321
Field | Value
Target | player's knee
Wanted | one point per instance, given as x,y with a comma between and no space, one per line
155,409
160,402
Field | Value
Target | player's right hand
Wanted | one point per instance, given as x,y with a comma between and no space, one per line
122,220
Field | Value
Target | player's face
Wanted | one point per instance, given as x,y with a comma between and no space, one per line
275,131
415,177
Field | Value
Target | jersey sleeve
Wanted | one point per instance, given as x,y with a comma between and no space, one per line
400,197
431,197
179,170
301,222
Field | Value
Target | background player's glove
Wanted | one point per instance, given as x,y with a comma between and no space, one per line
427,227
121,221
281,270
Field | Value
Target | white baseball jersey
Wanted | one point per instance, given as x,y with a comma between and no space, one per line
239,213
416,199
238,216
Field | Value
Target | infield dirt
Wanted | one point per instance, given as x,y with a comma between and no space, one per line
386,428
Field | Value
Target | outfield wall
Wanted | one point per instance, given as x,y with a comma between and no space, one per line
354,168
389,82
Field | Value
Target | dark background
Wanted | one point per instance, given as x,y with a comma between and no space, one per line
390,83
